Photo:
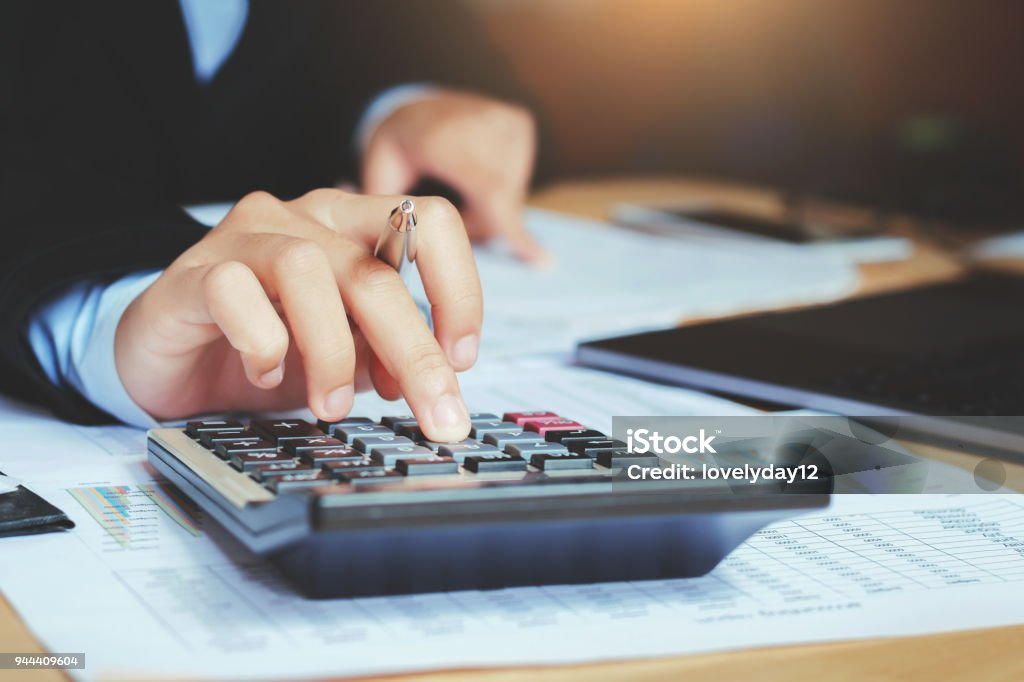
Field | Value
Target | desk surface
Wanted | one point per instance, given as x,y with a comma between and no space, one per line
992,654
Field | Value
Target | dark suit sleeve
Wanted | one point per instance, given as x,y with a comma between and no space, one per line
66,214
442,43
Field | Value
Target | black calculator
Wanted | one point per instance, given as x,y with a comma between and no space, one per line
365,507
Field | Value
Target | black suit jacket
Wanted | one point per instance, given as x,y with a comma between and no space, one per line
106,133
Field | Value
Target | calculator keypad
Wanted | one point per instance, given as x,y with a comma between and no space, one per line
288,455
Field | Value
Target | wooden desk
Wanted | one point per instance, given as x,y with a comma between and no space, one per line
991,654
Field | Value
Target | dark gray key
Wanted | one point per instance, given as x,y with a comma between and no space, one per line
265,472
618,459
361,478
480,464
336,469
299,481
280,430
427,465
247,461
329,427
500,439
353,431
226,448
394,421
367,444
479,428
536,447
483,417
459,451
592,447
211,438
195,428
389,456
565,436
569,460
297,446
411,431
434,445
317,458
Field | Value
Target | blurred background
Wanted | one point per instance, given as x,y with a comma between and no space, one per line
909,105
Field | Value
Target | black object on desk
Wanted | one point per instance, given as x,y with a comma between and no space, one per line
947,359
22,512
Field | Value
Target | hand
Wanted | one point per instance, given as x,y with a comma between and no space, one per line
482,148
256,315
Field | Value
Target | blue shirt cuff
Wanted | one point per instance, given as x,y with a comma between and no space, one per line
385,104
73,338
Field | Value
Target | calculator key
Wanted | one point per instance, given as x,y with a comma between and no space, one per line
459,451
591,447
411,431
389,456
500,462
299,481
393,422
225,449
247,461
519,417
195,428
367,444
537,447
265,472
353,431
317,458
566,436
279,430
211,438
543,426
437,445
500,439
427,465
296,446
360,478
559,462
478,429
483,417
329,427
619,459
336,469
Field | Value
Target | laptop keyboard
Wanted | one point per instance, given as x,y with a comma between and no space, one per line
287,455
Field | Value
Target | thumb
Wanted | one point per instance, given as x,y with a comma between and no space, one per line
386,168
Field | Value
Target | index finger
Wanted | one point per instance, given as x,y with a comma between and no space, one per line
444,258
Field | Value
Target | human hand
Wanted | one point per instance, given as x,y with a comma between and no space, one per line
482,148
283,303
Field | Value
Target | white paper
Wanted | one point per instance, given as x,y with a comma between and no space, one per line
145,588
608,281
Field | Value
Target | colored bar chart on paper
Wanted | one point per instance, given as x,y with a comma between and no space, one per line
132,515
179,508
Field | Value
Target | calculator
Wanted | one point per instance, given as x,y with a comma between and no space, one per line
373,507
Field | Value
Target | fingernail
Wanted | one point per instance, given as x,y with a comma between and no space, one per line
273,377
339,401
451,419
464,351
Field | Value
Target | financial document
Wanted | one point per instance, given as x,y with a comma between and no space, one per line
608,281
146,586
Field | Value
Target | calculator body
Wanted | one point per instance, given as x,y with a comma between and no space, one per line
534,525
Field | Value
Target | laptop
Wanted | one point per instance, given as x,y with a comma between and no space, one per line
946,361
